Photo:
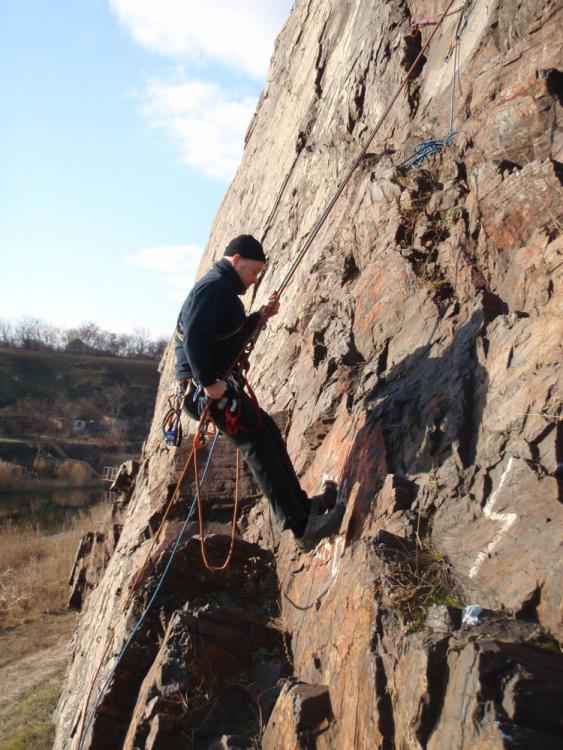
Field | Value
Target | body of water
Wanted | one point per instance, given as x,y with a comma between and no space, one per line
50,510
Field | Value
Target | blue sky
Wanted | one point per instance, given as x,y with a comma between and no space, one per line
122,124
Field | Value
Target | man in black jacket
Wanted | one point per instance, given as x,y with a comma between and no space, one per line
212,328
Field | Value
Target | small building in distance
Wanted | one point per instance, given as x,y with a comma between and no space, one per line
85,427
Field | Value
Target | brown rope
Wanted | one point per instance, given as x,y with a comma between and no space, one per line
250,342
317,226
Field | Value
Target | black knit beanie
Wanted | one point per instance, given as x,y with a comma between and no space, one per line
246,246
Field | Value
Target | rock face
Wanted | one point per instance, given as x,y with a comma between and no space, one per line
416,359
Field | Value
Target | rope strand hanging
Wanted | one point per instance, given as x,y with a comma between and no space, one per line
434,146
346,179
208,565
246,349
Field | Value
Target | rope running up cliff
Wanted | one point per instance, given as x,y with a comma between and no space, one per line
244,353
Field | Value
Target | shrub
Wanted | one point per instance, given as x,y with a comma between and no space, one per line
73,473
11,476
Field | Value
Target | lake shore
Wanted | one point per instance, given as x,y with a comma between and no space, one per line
64,474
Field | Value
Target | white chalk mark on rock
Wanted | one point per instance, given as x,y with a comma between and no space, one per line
338,552
325,552
506,519
331,552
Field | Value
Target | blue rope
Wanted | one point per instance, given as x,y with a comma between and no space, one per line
425,150
434,146
151,601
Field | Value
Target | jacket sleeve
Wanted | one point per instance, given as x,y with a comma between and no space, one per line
250,323
199,323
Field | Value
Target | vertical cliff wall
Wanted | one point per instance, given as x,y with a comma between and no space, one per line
416,359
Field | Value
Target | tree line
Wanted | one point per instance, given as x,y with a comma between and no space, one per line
33,334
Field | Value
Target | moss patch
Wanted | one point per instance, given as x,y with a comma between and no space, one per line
28,725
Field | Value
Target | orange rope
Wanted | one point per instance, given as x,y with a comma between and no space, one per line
208,565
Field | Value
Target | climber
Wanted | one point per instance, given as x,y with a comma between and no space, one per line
211,331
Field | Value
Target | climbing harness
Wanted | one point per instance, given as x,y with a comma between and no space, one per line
237,367
434,146
197,395
185,390
233,406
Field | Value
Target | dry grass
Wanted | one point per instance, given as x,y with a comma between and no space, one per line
33,658
73,473
416,576
34,568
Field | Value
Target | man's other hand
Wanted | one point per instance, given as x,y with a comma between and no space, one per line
271,307
216,390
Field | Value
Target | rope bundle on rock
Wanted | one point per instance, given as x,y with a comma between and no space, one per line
434,146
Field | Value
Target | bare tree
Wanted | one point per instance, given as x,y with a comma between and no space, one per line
91,334
87,338
114,399
6,333
50,335
157,348
126,345
141,341
26,330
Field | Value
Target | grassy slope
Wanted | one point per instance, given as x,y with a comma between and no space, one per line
32,665
49,374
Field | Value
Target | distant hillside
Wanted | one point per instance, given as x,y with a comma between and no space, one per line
51,376
54,397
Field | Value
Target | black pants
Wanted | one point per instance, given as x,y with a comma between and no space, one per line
264,450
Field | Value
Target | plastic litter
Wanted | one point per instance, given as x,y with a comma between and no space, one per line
471,615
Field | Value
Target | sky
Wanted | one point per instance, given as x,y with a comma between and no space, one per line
122,125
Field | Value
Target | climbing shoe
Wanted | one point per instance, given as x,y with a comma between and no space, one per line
326,500
319,527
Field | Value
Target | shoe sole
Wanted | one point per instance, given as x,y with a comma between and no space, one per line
310,544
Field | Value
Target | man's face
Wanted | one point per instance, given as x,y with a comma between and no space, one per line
248,270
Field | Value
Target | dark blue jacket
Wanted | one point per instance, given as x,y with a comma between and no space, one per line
212,326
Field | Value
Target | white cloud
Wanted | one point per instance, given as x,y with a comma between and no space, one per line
168,257
238,34
176,266
206,123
